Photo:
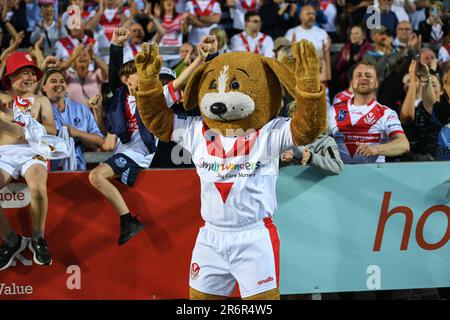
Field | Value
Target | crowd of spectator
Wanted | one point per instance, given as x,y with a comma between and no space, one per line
390,34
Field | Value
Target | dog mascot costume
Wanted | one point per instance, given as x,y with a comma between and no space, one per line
235,146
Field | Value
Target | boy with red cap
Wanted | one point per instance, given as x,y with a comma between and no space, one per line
18,158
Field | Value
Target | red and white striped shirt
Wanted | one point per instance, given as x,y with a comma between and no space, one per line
172,26
372,123
342,96
262,44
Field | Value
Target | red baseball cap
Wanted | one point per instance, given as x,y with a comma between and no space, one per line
15,62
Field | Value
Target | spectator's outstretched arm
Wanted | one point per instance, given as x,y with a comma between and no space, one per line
64,65
96,105
325,74
94,21
37,50
408,108
428,96
398,145
204,48
13,45
99,63
160,32
90,140
10,28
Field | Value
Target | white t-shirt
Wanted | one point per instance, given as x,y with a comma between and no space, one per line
444,54
238,174
262,44
372,123
65,46
316,35
205,6
329,9
130,51
238,13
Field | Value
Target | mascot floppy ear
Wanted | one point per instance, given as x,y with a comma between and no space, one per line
192,89
284,75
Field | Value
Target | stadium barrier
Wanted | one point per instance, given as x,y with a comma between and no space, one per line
373,227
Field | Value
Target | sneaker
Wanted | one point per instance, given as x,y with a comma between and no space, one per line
8,254
40,252
128,229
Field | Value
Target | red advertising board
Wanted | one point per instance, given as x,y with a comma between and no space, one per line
82,231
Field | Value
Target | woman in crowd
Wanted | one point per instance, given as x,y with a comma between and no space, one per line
352,52
174,26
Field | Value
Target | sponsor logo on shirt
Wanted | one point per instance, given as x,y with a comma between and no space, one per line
195,270
369,119
218,167
342,115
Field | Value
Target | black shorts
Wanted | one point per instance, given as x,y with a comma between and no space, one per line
125,167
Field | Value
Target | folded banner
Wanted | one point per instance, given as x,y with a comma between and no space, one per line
373,227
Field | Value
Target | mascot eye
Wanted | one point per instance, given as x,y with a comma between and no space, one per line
235,85
213,85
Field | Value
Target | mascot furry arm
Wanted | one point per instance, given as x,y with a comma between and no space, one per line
301,79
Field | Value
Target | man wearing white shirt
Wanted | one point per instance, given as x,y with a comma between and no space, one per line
203,16
251,39
308,29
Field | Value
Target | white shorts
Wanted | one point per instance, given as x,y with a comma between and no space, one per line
16,159
224,256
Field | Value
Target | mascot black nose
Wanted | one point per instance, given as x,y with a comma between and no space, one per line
218,108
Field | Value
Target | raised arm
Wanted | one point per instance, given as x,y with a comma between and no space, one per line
93,22
152,106
428,95
309,119
160,31
408,109
204,48
120,36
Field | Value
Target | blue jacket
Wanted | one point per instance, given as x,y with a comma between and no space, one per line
115,113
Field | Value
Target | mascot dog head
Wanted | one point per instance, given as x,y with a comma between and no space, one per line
238,91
